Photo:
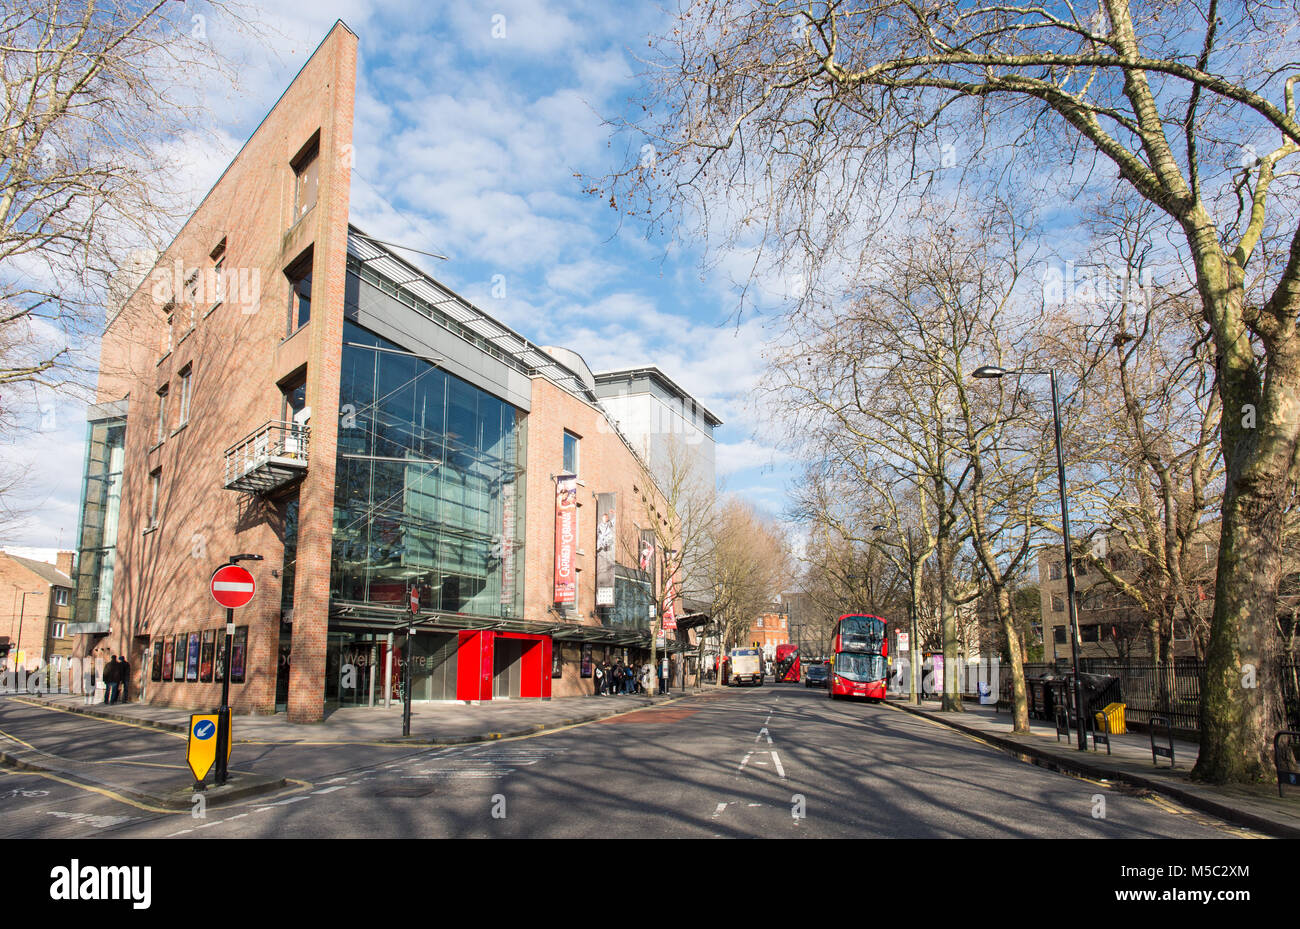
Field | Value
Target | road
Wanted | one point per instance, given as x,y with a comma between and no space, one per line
775,761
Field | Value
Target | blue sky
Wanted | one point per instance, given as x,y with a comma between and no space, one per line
467,143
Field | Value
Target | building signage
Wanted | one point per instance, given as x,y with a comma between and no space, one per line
670,594
902,641
606,509
508,544
566,538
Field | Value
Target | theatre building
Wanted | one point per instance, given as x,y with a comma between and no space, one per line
282,384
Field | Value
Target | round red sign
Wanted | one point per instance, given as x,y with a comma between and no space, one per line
232,586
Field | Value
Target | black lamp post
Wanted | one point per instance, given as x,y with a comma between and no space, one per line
993,371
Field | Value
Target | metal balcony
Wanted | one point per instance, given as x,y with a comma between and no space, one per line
267,459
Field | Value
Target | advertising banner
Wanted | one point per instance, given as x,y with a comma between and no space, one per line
508,544
670,593
566,537
606,509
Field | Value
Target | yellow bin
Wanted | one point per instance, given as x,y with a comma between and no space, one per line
1114,713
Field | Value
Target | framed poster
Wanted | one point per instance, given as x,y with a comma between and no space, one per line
206,654
192,658
219,669
155,672
585,667
168,653
557,660
238,648
178,667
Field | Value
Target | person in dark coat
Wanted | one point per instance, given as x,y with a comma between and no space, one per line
123,679
110,680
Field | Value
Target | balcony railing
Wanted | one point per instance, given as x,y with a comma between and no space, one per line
268,458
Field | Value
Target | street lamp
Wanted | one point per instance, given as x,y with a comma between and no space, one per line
987,372
22,609
914,646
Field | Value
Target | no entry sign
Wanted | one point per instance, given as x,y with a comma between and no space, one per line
232,586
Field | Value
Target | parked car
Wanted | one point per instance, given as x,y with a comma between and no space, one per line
816,676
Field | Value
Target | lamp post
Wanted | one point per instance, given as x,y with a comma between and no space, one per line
986,372
22,609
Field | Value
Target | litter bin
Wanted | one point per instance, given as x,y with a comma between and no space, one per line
1114,713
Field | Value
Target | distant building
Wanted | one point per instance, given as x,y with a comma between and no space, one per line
35,606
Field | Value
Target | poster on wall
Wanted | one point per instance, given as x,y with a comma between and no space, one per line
219,669
178,668
585,667
646,558
155,673
508,544
566,537
206,654
192,658
606,509
237,649
557,660
169,652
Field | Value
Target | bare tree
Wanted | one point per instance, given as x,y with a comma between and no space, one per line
788,127
92,183
747,566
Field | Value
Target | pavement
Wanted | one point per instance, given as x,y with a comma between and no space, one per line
1129,762
156,786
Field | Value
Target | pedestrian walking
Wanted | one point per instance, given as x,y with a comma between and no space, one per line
600,681
110,680
88,679
123,679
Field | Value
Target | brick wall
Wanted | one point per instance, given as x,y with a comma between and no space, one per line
238,354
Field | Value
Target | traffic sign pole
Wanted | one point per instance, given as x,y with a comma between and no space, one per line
223,714
232,587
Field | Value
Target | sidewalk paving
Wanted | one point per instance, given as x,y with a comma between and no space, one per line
169,788
431,723
1257,807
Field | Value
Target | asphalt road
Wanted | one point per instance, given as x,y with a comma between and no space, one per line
776,761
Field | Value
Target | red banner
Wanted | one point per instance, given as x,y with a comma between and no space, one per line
566,536
669,614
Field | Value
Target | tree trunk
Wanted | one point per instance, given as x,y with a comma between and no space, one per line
948,628
1019,697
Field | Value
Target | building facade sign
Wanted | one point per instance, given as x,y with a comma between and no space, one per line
566,535
606,512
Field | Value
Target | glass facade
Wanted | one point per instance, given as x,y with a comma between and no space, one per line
429,487
101,498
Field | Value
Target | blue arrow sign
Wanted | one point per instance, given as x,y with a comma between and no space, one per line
204,729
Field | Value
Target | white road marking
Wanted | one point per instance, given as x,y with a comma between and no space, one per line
280,803
329,790
721,807
776,760
215,822
744,761
182,832
334,780
236,816
763,732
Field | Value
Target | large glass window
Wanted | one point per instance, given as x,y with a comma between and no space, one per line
101,498
429,486
570,453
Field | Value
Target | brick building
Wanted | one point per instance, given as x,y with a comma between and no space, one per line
215,434
769,630
35,607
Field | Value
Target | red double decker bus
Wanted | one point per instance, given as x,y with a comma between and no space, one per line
860,664
787,664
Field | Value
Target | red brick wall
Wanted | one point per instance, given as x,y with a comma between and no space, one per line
238,354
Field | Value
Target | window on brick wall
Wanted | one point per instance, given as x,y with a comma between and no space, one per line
61,596
306,175
570,453
1058,604
299,275
155,487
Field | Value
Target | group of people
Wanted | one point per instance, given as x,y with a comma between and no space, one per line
617,678
115,675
